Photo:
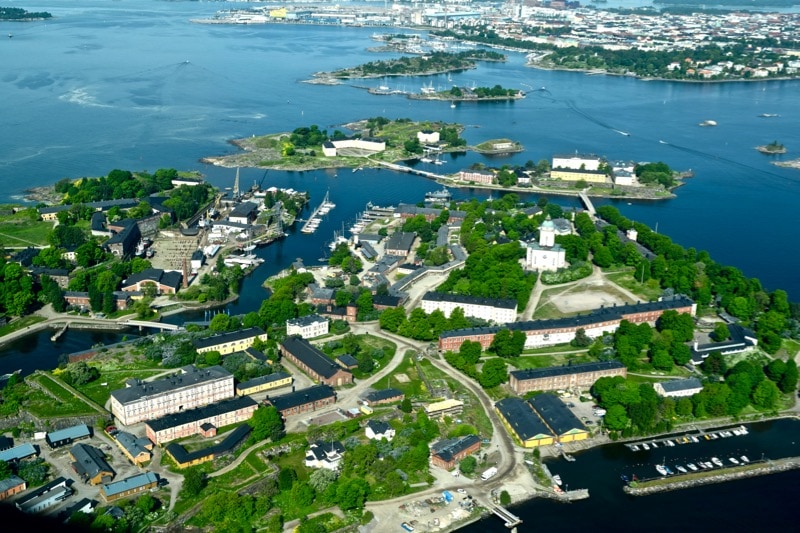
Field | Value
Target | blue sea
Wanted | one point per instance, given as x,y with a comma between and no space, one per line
135,85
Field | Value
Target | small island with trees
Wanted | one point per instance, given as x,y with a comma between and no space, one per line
427,65
19,14
307,148
772,148
469,94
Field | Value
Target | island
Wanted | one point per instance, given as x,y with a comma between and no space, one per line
469,94
772,148
19,14
424,65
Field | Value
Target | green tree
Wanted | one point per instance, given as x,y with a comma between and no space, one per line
721,332
581,339
405,405
286,478
302,494
507,343
765,395
714,364
267,423
775,370
468,464
493,373
505,498
194,481
788,382
147,503
683,407
616,418
470,351
352,493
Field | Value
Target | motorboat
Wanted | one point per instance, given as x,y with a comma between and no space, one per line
716,461
744,459
681,469
733,460
692,467
661,469
645,446
557,479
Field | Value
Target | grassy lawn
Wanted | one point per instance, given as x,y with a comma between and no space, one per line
100,389
561,348
789,349
21,323
626,280
541,361
366,344
413,388
24,229
44,405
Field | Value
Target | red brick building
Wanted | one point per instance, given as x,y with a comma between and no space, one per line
313,362
303,401
448,452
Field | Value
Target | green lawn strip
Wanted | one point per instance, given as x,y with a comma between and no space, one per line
627,281
65,403
565,348
21,323
541,361
413,389
100,389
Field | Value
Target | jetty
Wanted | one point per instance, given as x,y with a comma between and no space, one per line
409,170
315,219
60,332
511,520
728,473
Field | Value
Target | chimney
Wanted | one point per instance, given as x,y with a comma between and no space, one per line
185,274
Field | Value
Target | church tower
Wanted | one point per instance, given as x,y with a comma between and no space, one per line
547,233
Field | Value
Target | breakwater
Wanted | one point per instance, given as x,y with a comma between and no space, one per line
686,481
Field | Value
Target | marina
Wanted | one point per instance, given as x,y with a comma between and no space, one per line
673,441
315,219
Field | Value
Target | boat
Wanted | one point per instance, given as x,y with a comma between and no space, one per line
706,437
743,430
557,479
452,106
249,247
669,443
694,439
714,436
762,115
653,444
681,469
634,447
661,469
707,123
702,464
645,446
692,467
669,471
716,461
744,459
439,196
624,478
733,460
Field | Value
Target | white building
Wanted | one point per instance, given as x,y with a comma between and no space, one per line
325,454
428,136
678,388
545,255
307,327
576,162
377,430
500,311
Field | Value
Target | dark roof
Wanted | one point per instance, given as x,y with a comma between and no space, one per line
89,461
201,413
302,397
503,303
157,203
581,368
243,210
675,385
78,431
383,394
258,355
277,376
521,418
371,237
447,449
25,257
130,483
378,427
52,272
386,300
168,278
44,489
133,444
312,357
189,377
347,360
232,336
555,414
233,438
198,255
616,312
129,234
401,240
98,221
368,251
6,442
306,320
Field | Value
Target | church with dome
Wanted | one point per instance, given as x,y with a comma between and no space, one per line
545,255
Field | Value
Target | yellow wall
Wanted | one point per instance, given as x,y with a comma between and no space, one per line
265,386
573,437
577,175
530,443
237,346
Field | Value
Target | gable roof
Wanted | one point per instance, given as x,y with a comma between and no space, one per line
383,394
130,483
447,449
312,357
302,397
89,461
581,368
190,376
78,431
232,336
555,414
200,413
522,419
675,385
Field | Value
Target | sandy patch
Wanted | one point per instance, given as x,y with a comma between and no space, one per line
573,302
402,378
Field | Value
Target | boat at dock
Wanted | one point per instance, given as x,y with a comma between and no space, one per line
661,469
315,219
557,479
744,459
645,446
681,469
733,460
692,467
716,461
443,195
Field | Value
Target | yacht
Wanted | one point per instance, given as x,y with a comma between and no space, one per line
681,469
634,448
716,461
694,439
669,442
661,469
645,446
733,460
653,444
744,459
692,467
557,479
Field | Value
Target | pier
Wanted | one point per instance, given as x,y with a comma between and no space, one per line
315,219
156,325
409,170
60,332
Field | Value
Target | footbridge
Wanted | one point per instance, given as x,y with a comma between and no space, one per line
587,202
511,520
155,325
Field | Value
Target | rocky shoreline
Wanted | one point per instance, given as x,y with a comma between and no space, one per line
794,163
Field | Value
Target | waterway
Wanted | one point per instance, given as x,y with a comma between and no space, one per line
754,504
129,85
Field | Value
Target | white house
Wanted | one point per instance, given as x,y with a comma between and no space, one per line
678,388
545,255
576,162
307,327
498,310
377,430
428,136
325,455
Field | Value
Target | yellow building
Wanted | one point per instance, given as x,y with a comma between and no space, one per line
227,343
589,176
264,383
446,407
558,418
522,422
279,13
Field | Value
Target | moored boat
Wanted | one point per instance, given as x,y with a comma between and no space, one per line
661,470
744,459
716,461
733,460
692,467
645,446
681,469
557,479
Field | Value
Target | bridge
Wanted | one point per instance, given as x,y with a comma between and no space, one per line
587,202
155,325
409,170
511,520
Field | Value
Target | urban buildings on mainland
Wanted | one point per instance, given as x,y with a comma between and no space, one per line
568,377
190,388
539,333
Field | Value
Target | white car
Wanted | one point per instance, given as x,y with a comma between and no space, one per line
461,491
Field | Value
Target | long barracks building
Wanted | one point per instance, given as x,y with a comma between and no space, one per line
564,377
540,333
